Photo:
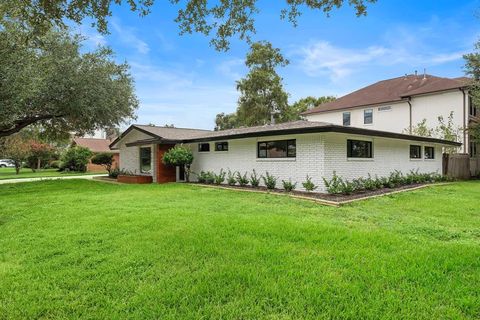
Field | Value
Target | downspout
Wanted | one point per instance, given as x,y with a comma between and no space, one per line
464,121
410,114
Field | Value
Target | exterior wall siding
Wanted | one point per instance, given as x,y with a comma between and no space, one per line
130,156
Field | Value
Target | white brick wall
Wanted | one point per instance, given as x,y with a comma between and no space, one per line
318,155
130,156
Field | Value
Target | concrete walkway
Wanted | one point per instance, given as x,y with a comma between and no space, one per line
86,176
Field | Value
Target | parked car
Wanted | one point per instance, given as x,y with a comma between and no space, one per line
4,163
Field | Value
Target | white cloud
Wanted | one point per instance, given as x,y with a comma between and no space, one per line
231,68
128,36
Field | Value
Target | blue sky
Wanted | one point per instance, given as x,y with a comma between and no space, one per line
181,80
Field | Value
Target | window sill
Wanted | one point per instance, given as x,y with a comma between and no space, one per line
429,159
360,159
416,159
276,159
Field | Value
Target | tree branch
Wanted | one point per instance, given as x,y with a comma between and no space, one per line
22,123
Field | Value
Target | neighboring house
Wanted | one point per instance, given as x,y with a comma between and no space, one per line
97,146
398,104
290,150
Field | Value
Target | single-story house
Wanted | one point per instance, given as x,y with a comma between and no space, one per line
289,150
97,146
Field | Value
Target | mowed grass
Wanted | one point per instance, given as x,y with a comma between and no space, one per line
9,173
86,249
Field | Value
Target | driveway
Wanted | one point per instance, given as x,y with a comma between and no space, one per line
89,177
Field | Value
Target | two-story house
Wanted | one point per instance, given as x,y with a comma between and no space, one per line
398,104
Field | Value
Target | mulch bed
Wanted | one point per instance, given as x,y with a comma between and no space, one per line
331,199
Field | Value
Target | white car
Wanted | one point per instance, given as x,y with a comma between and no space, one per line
4,163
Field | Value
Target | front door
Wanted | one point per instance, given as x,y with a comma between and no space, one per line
181,173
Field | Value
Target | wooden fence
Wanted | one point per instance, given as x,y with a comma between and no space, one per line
457,165
475,166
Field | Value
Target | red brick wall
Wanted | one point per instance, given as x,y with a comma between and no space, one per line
164,173
98,168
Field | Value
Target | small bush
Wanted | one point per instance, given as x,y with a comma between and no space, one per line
231,179
348,187
270,181
205,177
309,185
76,159
254,179
219,178
104,159
289,186
334,185
242,179
55,164
114,173
371,184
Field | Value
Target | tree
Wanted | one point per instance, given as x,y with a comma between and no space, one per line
221,19
226,121
305,104
448,131
420,129
104,159
261,91
76,159
47,81
472,69
39,153
16,148
179,156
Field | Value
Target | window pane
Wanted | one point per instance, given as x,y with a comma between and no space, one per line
262,149
292,149
277,149
359,149
204,147
145,160
368,116
346,118
429,153
415,152
221,146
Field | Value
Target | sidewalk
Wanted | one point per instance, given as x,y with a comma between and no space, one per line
89,176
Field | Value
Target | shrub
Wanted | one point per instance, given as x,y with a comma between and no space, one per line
55,164
76,159
270,181
372,184
242,179
334,185
179,156
288,186
396,179
114,173
104,159
358,184
205,177
347,187
231,179
219,178
309,185
254,179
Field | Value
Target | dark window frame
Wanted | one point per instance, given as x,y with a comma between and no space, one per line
472,110
349,118
203,144
289,143
418,148
220,146
149,157
350,153
365,116
472,148
425,153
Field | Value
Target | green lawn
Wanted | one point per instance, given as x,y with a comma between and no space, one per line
9,173
86,249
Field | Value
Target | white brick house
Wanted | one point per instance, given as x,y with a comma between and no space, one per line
288,151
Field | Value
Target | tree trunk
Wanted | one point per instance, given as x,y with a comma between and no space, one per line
39,163
17,167
187,173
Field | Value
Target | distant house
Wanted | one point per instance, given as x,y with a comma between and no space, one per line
97,146
401,103
290,150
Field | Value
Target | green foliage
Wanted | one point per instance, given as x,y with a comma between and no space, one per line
40,154
207,177
334,185
231,179
242,179
180,156
104,159
16,148
289,186
448,131
309,185
226,121
55,164
51,82
255,179
421,129
305,104
270,181
76,159
472,69
219,178
114,173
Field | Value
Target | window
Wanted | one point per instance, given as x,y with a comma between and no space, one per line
203,147
359,149
221,146
415,152
429,153
145,160
473,148
346,118
472,111
368,116
277,149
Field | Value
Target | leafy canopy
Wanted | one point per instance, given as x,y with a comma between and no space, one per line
221,20
178,156
472,69
103,159
47,81
76,158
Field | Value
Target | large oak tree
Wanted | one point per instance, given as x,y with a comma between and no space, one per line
220,19
50,82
